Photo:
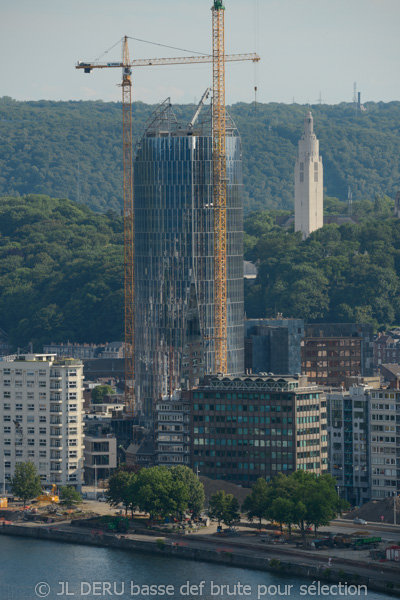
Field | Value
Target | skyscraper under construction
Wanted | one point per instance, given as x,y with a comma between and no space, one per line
174,255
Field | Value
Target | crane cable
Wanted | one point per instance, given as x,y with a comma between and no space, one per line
152,43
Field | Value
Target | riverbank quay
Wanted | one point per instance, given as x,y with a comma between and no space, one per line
382,577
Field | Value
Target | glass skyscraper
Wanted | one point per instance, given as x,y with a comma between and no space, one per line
174,262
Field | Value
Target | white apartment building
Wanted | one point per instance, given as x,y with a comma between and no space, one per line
172,430
41,417
385,442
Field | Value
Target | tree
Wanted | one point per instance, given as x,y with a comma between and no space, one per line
195,488
99,392
224,508
120,489
159,494
69,496
258,502
25,483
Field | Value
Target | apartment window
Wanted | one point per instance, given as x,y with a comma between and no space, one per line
7,464
42,419
42,430
7,382
73,431
30,419
7,429
42,453
18,407
18,453
30,383
18,395
42,407
42,466
31,453
42,384
42,396
31,431
6,372
31,442
30,395
42,442
72,407
18,383
42,372
7,452
7,395
6,406
72,454
7,418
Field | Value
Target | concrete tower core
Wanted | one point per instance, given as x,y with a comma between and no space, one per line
308,182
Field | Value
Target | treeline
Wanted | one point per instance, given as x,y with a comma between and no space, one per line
61,272
302,499
160,491
349,273
73,149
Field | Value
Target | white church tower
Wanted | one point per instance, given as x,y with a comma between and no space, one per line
308,183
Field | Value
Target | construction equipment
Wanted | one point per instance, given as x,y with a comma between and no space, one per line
48,496
218,58
219,187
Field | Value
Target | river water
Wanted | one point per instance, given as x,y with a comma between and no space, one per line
31,569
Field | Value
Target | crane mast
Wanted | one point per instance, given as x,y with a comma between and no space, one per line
128,229
219,187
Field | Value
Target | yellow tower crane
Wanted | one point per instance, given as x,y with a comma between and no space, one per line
219,187
129,230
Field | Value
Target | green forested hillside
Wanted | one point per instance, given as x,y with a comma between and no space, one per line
61,272
73,149
349,273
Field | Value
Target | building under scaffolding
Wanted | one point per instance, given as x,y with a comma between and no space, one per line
174,255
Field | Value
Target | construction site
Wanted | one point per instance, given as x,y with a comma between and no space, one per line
183,236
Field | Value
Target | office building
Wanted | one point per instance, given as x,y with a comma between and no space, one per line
174,256
172,430
385,441
332,352
273,345
349,448
243,428
42,417
308,183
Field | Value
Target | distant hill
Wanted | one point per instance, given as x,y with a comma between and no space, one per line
73,149
61,272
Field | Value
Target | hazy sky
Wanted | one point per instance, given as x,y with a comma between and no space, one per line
307,47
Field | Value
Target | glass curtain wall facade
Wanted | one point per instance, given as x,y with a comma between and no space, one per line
174,256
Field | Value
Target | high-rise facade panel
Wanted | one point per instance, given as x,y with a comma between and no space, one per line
174,256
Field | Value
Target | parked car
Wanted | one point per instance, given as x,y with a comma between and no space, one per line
360,522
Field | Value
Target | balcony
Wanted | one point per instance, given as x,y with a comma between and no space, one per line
55,409
56,469
57,445
55,386
55,433
55,398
